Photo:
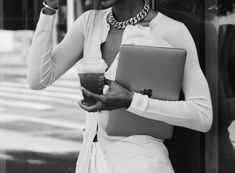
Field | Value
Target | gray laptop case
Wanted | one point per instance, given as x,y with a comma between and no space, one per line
153,71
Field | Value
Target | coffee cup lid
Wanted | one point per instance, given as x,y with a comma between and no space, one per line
91,65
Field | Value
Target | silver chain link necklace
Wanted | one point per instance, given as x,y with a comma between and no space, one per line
132,21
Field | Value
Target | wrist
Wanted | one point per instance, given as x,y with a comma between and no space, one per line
48,11
130,98
51,5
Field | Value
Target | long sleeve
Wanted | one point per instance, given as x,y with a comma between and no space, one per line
45,63
195,112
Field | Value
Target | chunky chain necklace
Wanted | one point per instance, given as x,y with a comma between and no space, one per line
132,21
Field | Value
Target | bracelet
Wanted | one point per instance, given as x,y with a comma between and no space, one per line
49,7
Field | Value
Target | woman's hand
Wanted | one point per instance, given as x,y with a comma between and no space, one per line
53,3
117,97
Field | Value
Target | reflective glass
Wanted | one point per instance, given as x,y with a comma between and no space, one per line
41,131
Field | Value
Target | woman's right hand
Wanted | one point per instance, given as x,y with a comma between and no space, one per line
53,3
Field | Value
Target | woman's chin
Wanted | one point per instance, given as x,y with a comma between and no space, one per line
107,3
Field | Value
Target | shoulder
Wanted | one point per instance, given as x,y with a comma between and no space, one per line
91,15
171,30
166,24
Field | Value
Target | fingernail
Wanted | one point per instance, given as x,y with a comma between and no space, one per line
84,89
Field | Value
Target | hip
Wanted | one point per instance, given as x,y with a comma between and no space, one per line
136,154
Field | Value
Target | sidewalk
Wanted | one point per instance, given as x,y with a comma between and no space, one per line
40,131
15,65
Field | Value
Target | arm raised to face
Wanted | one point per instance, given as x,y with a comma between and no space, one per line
46,63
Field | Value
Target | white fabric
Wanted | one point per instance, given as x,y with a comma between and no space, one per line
231,130
153,160
83,40
98,164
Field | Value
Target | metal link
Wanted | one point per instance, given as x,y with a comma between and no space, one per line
132,21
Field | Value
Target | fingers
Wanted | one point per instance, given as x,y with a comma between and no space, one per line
98,97
53,3
107,82
94,108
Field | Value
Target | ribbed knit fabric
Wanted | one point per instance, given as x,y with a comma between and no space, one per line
46,64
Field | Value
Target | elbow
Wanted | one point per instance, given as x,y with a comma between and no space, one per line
34,85
206,122
203,115
202,126
206,127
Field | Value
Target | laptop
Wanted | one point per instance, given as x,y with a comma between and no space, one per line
153,71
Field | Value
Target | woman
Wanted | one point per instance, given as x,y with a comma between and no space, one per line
103,33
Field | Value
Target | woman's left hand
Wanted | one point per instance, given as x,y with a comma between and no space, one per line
117,97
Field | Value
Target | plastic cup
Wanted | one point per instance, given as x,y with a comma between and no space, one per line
91,73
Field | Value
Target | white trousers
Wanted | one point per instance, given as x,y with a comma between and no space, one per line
98,164
156,161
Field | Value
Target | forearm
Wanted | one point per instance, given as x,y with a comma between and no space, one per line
194,114
40,61
46,64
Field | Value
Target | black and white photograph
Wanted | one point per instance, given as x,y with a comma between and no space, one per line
117,86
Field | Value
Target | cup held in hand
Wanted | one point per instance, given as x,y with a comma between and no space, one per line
91,73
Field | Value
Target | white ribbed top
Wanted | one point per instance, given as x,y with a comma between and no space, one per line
83,39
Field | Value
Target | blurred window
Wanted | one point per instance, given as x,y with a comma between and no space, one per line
40,131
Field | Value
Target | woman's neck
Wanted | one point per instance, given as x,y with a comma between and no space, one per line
126,9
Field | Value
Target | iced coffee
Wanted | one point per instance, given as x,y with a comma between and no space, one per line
91,73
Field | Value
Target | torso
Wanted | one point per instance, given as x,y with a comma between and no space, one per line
111,46
110,49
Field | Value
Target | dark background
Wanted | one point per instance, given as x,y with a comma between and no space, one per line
190,151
